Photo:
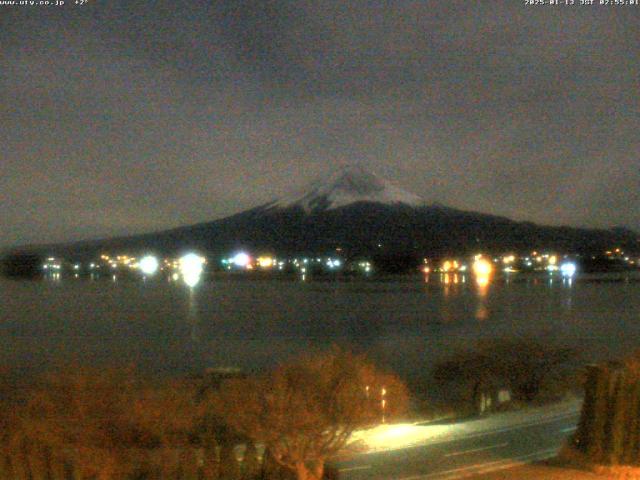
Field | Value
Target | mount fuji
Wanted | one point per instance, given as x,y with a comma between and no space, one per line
347,186
359,213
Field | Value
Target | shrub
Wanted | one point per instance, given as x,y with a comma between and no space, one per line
305,411
99,424
530,371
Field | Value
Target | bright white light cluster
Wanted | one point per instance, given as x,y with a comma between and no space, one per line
568,269
191,268
334,263
149,265
241,259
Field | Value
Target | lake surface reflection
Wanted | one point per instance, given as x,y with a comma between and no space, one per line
169,327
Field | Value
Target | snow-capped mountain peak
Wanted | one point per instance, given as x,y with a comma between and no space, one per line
349,185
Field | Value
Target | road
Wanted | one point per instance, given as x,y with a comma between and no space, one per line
491,446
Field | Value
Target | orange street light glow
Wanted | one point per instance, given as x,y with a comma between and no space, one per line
265,262
482,267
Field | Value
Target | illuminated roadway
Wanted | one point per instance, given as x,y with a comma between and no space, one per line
497,447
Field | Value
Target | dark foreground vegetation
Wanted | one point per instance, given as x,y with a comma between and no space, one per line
78,423
88,424
504,373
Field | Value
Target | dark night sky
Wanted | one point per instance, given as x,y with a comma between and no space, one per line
129,116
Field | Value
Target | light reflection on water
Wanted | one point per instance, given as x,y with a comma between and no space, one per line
191,279
192,316
407,324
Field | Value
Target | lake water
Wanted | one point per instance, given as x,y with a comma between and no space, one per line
167,327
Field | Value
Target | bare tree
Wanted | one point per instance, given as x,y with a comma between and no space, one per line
103,424
529,369
304,412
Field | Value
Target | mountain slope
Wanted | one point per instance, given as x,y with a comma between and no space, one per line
363,215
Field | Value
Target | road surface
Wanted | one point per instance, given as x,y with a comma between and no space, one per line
492,444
